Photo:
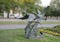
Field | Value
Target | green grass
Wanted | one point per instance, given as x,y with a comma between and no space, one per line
17,35
25,22
50,22
13,22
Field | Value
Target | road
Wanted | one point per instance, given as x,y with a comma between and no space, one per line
15,26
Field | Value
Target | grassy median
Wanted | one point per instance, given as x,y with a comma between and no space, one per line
25,22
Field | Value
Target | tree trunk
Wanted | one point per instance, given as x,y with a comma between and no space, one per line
56,17
8,15
45,18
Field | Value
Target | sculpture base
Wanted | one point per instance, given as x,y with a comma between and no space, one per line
37,37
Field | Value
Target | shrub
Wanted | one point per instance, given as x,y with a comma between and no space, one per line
58,26
1,14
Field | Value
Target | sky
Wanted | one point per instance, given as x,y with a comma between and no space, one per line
45,3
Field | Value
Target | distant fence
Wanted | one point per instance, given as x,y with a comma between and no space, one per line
53,18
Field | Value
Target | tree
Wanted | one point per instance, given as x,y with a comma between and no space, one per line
12,4
55,5
6,5
27,4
